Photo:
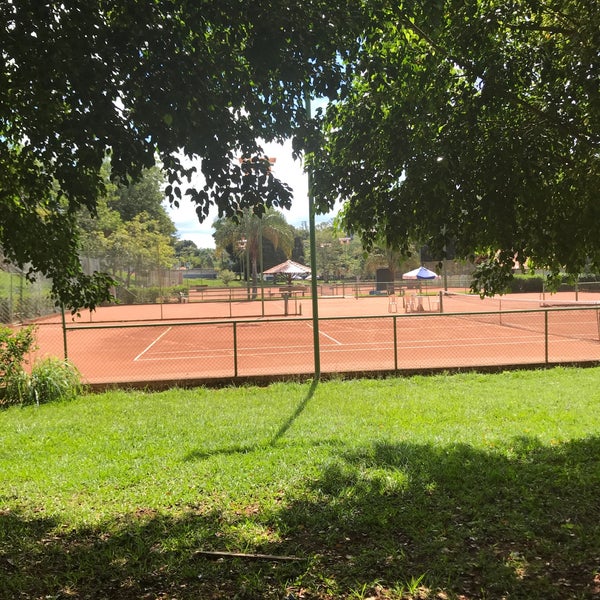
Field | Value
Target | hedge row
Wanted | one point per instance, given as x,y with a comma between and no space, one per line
535,284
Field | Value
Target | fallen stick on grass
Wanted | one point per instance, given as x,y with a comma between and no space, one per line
221,554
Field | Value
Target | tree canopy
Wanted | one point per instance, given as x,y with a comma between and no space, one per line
144,195
470,122
474,124
160,80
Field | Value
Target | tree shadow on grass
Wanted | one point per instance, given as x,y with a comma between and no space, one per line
144,555
521,523
245,448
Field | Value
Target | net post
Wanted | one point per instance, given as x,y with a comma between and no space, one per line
441,301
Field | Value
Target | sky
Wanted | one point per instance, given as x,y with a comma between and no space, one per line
285,168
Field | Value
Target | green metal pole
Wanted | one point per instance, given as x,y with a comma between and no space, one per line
64,329
313,261
11,306
160,290
262,283
546,336
395,343
248,270
235,350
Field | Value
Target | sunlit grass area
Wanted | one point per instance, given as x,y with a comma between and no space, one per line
458,487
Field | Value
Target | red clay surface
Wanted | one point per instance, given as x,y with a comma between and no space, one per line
207,340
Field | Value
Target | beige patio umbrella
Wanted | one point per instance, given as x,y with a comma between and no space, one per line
288,268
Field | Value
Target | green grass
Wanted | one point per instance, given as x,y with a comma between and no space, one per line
457,487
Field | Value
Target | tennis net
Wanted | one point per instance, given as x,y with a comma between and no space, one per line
576,319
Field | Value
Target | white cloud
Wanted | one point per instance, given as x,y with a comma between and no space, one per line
285,168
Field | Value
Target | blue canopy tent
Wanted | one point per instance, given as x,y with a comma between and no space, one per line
420,273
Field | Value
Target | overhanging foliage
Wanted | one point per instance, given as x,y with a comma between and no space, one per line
473,124
142,81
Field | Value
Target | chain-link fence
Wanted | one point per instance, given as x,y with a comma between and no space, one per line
196,332
22,300
392,335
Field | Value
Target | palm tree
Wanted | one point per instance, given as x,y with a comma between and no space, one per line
245,235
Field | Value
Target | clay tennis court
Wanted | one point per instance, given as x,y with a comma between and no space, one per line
194,342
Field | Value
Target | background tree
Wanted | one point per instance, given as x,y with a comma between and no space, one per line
186,252
206,258
333,259
298,254
94,231
474,123
122,236
191,256
145,195
140,246
382,256
245,232
226,276
273,255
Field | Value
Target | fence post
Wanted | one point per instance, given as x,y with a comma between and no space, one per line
546,336
235,350
64,328
395,343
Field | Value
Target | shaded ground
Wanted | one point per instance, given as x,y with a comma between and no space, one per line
451,522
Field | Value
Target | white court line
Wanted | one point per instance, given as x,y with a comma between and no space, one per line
152,344
349,349
328,337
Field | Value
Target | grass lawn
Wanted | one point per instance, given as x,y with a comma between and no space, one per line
448,487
